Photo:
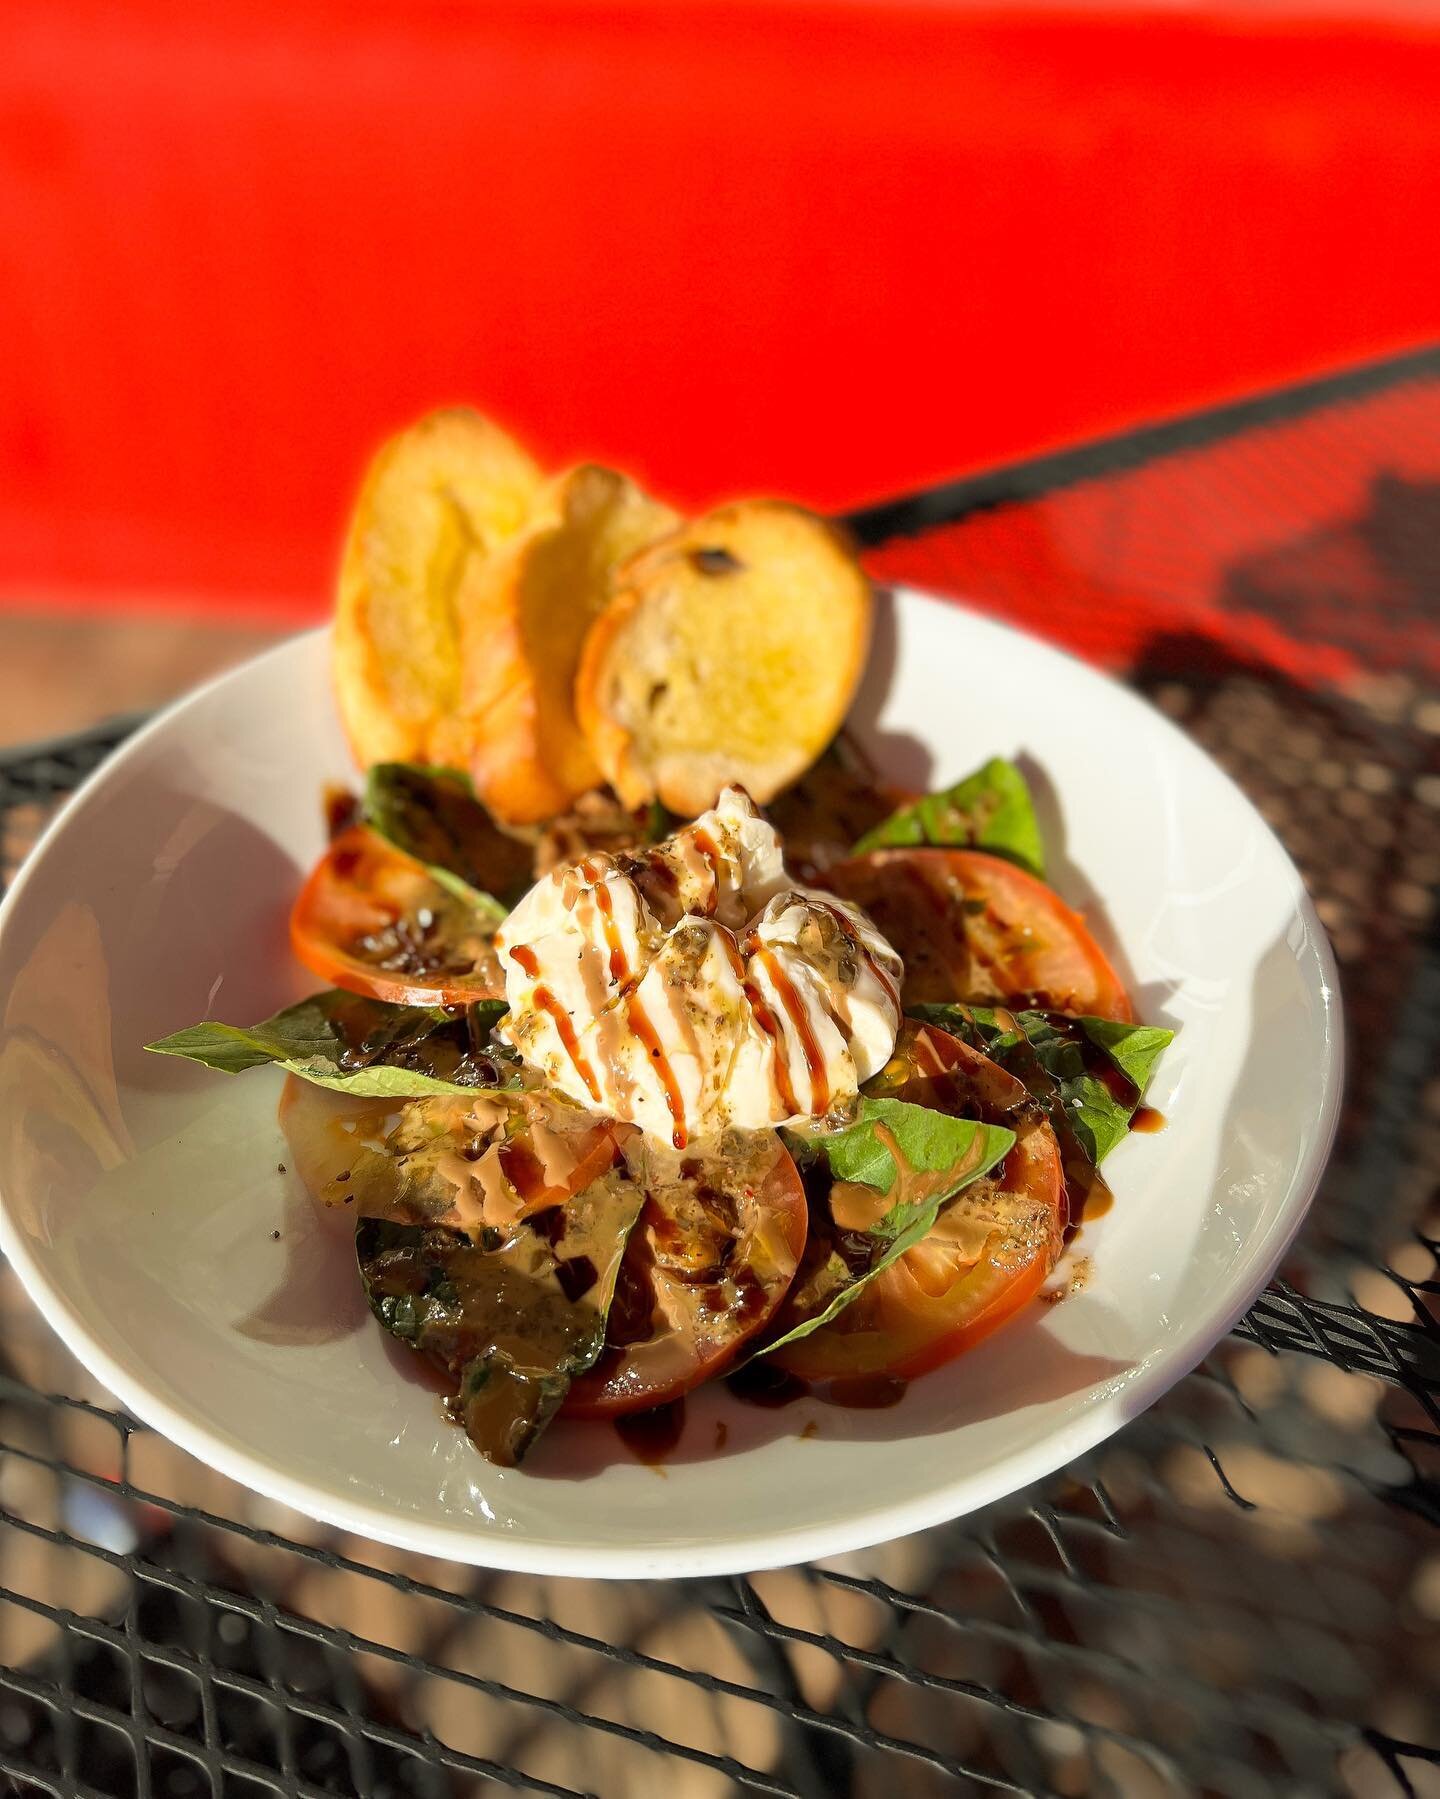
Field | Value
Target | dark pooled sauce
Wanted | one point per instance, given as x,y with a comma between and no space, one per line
342,809
1087,1192
650,1436
761,1383
1092,1201
866,1392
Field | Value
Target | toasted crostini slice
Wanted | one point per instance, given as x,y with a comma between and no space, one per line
437,502
730,652
521,627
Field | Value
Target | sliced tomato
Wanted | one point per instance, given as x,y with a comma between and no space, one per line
547,1167
707,1266
992,1247
373,921
974,927
407,1160
326,1133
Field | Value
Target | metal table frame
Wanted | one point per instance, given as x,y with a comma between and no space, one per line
1236,1594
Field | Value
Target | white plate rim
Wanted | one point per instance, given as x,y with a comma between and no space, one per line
785,1545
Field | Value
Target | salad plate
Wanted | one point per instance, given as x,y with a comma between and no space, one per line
154,1214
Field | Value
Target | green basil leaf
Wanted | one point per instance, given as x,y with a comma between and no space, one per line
512,1318
989,810
324,1025
433,815
914,1232
1063,1061
930,1142
1133,1048
355,1045
955,1150
504,1406
1099,1120
484,903
379,1081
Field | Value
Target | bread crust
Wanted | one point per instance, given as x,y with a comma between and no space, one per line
731,651
522,625
437,499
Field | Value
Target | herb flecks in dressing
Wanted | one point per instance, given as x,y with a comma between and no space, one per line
512,1317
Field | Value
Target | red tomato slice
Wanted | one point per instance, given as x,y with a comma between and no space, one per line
372,921
706,1268
547,1151
973,927
589,1154
991,1250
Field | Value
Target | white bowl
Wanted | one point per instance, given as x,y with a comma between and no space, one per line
140,1197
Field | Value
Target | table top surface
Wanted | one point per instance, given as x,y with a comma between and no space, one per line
1233,1595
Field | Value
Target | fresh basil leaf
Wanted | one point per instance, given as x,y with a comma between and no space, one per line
989,810
325,1025
512,1320
929,1142
458,888
354,1044
379,1081
444,1160
1133,1048
504,1406
433,815
483,1015
1099,1120
951,1152
1064,1060
915,1232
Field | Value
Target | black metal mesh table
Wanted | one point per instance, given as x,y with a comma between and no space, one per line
1237,1594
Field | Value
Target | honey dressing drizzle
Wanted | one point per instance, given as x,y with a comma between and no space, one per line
710,850
640,1024
525,958
619,963
768,1023
765,1018
565,1028
795,1012
862,949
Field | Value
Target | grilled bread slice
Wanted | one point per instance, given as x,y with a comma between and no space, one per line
437,503
730,652
522,623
